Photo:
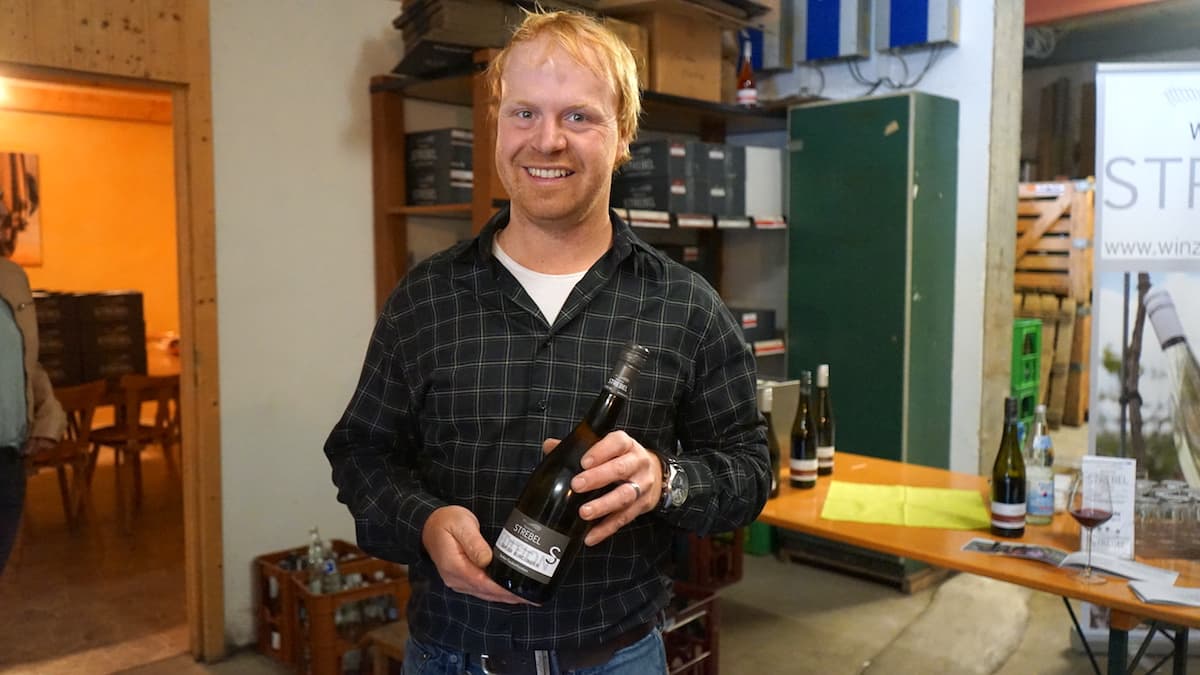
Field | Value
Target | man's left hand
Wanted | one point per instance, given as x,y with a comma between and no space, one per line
618,460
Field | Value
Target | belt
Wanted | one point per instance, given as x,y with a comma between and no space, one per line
538,662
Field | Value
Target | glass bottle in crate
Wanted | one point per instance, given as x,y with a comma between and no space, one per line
315,560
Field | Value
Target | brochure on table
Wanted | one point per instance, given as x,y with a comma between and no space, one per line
1115,537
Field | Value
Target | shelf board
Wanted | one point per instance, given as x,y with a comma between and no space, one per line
662,112
440,210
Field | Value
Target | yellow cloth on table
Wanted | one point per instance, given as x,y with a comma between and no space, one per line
946,508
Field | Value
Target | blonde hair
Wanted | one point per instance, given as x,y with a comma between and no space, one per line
593,46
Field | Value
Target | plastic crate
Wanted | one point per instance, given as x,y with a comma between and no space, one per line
760,539
276,609
691,631
1027,401
1026,353
322,641
710,562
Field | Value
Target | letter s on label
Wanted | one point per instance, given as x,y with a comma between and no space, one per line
555,554
1108,173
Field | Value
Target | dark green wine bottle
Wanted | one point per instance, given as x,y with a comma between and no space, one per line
544,532
1008,479
804,438
766,403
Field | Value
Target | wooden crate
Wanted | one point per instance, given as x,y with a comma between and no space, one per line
692,631
1064,353
710,562
1054,240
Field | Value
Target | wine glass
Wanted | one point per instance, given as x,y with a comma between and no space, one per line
1090,504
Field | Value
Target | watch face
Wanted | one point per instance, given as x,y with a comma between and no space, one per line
679,486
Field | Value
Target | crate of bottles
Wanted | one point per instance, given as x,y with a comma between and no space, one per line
335,613
1027,401
690,631
276,609
712,561
1026,353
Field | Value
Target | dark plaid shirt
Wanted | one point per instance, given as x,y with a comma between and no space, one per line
462,381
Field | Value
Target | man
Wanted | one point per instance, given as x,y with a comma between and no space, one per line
30,416
488,349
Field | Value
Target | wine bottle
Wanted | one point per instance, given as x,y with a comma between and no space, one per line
1039,476
1185,381
804,438
1008,479
766,402
825,425
544,532
747,90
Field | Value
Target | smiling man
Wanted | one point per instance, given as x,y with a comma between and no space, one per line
488,351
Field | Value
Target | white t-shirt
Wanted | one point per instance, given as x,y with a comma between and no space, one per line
549,291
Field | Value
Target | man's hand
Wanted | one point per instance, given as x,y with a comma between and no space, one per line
452,538
36,444
616,459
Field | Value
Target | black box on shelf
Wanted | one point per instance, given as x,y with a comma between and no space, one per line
675,159
97,365
677,194
695,258
54,308
432,58
757,323
439,150
63,368
109,306
57,338
112,336
429,187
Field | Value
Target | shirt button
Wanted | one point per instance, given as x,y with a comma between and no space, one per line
542,405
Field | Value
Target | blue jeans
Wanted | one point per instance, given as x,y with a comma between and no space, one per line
12,500
644,657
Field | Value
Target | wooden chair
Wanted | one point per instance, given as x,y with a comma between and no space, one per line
129,434
72,451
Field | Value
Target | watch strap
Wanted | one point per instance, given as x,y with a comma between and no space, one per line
664,501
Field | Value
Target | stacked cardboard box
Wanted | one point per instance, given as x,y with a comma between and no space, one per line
90,336
690,177
439,167
440,36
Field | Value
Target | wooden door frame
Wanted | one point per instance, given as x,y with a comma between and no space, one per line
191,120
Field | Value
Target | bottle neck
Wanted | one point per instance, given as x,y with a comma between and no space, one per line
602,415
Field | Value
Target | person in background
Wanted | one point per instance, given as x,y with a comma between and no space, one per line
488,351
30,416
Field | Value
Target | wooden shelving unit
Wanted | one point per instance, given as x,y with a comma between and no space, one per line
662,112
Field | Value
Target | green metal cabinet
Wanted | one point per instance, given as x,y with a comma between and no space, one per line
871,267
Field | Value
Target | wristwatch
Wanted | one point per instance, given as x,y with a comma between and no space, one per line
674,486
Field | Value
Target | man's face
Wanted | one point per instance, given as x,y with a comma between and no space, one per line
556,137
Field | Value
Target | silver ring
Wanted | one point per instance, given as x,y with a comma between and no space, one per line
636,488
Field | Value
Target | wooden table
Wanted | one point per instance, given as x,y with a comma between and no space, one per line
800,510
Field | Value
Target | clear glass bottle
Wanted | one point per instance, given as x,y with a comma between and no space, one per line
826,429
1039,474
765,404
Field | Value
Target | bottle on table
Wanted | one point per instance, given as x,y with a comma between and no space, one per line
315,561
1008,479
747,89
804,438
1039,472
765,404
544,532
825,424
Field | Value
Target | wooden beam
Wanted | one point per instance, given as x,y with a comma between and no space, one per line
1048,11
36,97
388,177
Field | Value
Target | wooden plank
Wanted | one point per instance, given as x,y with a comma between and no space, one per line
1087,129
488,187
1065,330
166,57
1050,214
1079,372
1044,263
1042,281
1060,228
55,38
1052,245
16,31
387,176
61,99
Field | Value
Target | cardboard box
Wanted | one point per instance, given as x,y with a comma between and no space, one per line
427,187
109,306
757,323
661,158
638,40
56,309
677,194
685,54
439,149
63,368
696,258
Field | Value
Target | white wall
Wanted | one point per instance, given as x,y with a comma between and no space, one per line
294,260
962,73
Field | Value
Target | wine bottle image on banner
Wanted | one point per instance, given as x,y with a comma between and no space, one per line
766,402
1185,381
544,532
825,425
804,438
1008,479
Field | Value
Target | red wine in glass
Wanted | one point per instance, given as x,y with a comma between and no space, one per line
1091,517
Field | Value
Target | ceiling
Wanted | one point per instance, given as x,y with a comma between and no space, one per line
1154,27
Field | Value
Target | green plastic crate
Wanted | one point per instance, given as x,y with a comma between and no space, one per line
1027,400
760,539
1026,353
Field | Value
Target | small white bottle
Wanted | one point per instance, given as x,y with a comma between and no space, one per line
1039,474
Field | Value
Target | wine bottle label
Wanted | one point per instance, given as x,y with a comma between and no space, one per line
825,456
530,547
804,470
1008,516
1039,490
747,96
